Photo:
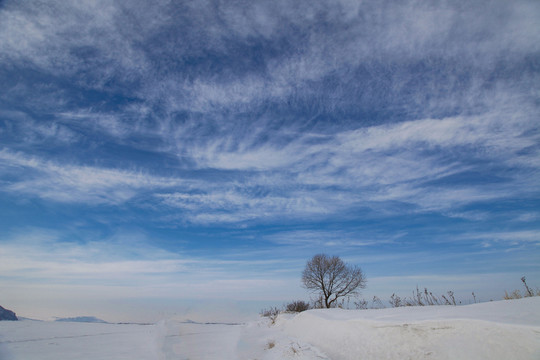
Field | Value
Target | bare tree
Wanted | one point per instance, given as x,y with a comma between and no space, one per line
332,278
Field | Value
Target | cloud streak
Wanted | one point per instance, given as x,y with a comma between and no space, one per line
80,184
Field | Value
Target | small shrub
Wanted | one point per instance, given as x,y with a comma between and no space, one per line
516,294
377,303
427,298
271,313
450,300
297,306
395,301
415,299
361,304
431,299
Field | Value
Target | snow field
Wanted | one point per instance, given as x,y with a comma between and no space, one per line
46,340
496,330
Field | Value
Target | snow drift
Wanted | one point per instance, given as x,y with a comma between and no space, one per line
495,330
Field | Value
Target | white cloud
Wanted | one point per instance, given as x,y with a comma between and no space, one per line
229,206
220,155
31,131
72,183
49,36
528,217
330,240
108,123
511,237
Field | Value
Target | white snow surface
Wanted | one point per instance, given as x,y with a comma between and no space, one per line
56,340
494,330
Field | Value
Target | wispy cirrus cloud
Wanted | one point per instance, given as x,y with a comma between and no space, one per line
298,66
332,239
45,39
512,237
234,205
73,183
308,174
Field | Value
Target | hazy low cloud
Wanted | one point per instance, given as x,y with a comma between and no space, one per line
130,261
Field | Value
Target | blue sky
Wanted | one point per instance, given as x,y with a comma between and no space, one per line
199,150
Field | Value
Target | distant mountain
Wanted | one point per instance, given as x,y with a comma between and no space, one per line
86,319
6,314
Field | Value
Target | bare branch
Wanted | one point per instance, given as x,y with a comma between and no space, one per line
332,278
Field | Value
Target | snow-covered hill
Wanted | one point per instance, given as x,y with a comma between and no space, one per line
495,330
